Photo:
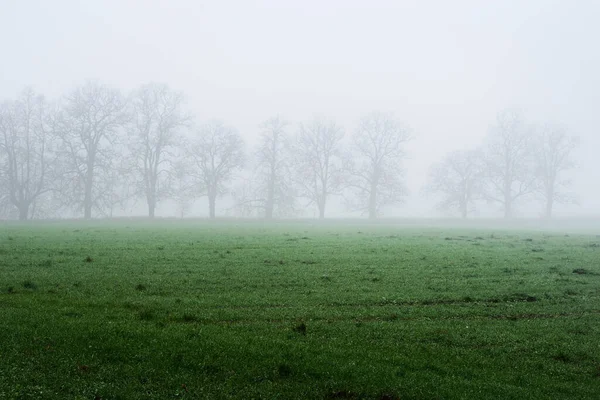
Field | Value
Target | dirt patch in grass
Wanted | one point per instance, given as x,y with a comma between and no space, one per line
300,328
342,394
188,318
583,271
347,394
146,315
522,297
29,285
562,357
284,371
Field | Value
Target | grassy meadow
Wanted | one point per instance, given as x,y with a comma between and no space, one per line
199,310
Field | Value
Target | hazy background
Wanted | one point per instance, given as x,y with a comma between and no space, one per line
445,68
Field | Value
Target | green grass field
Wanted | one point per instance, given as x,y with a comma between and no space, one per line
141,310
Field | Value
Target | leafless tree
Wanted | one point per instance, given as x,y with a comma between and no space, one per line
459,179
94,119
246,199
117,188
317,154
181,186
5,206
157,116
509,161
554,148
375,163
27,162
274,191
269,191
217,152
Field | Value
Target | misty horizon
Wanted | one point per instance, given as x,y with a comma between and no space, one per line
445,71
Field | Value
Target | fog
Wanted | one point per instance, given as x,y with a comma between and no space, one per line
443,71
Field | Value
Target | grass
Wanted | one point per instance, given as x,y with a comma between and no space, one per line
296,311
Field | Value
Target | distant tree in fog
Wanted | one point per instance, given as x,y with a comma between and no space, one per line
93,123
553,157
216,153
5,206
274,169
27,152
317,154
157,117
181,185
269,192
458,179
116,188
374,164
246,200
509,161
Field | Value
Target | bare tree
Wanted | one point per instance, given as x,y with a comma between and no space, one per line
5,206
554,147
269,191
509,161
374,164
181,186
317,152
26,146
216,152
94,117
458,178
157,116
275,193
246,199
116,189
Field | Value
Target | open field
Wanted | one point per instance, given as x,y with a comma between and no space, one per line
141,310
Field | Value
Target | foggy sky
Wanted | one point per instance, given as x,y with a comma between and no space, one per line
445,68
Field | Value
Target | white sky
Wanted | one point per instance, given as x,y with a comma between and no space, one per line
445,68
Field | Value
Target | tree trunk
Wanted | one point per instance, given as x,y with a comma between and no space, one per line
23,212
507,209
373,202
212,202
269,210
549,207
87,203
151,198
151,193
270,203
463,201
323,201
87,200
507,202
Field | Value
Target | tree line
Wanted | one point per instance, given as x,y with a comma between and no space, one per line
517,161
96,149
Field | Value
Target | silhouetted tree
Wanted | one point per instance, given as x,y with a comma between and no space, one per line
216,152
374,164
181,184
553,151
458,179
27,160
5,206
117,189
317,153
509,161
93,120
157,117
269,192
